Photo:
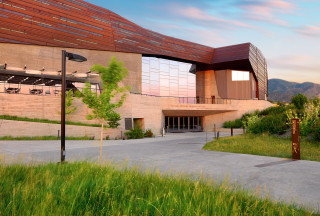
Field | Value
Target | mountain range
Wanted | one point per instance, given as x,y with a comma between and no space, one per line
282,90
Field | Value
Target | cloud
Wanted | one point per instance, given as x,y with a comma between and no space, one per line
266,11
301,63
310,31
196,34
297,68
200,15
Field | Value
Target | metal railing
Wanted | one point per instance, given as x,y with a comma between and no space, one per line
42,90
193,100
198,100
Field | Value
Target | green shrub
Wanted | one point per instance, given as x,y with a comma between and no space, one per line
251,122
136,133
249,114
277,110
148,133
316,131
273,124
299,100
235,124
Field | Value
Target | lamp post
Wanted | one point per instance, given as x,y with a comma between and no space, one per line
71,57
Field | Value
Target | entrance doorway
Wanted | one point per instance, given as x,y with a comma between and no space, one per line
183,123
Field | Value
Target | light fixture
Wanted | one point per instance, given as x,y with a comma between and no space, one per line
75,57
71,57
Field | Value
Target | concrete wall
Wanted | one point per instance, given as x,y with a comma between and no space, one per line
37,57
47,107
151,109
20,128
42,107
240,106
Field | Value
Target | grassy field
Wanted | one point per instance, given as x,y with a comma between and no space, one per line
91,189
42,138
264,145
17,118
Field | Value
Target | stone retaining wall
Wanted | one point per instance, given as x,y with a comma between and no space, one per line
33,129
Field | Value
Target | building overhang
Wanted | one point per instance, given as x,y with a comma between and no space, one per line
22,76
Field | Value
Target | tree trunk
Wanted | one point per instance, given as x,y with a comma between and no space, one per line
101,142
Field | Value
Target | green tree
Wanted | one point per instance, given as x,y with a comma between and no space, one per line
104,105
299,100
70,108
315,101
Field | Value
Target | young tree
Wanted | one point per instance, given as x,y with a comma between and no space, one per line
70,108
104,106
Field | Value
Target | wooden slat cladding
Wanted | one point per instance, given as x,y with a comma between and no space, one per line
243,57
78,24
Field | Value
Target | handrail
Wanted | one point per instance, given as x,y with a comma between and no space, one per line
193,100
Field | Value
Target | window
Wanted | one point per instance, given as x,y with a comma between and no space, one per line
128,123
163,77
240,76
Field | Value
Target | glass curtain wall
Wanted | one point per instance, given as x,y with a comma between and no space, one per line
161,77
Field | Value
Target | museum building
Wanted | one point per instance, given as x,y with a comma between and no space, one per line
175,84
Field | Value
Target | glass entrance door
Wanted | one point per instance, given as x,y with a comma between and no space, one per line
183,124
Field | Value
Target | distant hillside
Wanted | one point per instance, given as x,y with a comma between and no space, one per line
281,90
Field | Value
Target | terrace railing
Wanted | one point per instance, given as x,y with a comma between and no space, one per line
42,90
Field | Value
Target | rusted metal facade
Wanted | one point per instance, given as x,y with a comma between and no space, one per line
78,24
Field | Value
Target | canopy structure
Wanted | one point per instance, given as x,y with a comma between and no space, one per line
24,76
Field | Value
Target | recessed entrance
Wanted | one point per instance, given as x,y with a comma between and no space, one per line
183,123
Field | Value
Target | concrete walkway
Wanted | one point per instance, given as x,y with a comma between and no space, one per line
281,179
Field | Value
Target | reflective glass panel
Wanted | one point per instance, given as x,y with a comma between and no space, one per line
163,77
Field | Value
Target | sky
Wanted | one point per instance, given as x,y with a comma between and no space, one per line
287,32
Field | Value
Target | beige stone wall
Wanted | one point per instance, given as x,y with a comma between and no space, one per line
37,57
47,107
20,128
240,106
42,107
151,109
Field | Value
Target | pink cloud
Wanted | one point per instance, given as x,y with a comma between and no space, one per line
198,14
281,4
300,68
311,31
266,11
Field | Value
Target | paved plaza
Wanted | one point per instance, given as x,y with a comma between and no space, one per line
280,179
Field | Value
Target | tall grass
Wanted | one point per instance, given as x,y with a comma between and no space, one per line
91,189
17,118
266,145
